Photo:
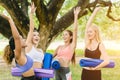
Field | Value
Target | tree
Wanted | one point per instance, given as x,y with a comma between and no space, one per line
46,13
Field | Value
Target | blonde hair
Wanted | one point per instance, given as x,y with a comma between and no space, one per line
97,34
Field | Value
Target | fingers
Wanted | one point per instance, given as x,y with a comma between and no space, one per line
33,8
77,10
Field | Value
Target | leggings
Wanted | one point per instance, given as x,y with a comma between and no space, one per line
61,73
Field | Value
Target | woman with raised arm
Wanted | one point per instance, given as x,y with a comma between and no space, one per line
16,49
94,48
66,53
32,42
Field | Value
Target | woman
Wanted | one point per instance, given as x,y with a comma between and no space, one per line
66,53
32,42
16,49
94,48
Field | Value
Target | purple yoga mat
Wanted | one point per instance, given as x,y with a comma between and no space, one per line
44,75
16,71
48,73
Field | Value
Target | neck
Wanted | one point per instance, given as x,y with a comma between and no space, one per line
67,43
93,41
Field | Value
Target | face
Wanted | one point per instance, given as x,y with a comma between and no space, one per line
90,33
35,38
66,36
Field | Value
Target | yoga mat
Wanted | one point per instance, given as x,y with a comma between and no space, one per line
47,61
45,78
44,73
49,73
55,64
16,72
94,62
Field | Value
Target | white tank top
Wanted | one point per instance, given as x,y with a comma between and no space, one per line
36,55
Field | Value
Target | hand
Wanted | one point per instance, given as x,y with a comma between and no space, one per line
6,17
33,8
77,10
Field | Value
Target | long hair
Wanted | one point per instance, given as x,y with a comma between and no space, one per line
97,34
73,57
9,51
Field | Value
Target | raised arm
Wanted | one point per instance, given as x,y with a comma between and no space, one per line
90,20
30,33
74,41
16,36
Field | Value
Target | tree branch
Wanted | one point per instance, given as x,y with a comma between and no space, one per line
17,14
66,20
5,27
41,12
53,8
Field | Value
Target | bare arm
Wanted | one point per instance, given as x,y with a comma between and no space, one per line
30,33
16,36
90,20
74,41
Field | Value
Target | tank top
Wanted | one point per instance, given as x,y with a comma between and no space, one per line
65,53
36,55
94,53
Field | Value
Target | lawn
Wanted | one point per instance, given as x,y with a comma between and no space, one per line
107,73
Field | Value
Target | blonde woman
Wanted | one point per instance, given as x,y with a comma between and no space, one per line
94,48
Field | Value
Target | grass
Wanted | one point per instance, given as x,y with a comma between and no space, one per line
107,73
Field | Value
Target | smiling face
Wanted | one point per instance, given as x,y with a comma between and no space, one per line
91,33
67,36
35,38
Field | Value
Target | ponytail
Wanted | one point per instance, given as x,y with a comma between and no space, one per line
8,54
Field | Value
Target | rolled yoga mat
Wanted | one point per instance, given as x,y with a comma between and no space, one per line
47,63
48,73
94,62
16,72
55,64
38,72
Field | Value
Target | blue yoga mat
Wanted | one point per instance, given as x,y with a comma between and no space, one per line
94,62
47,61
55,64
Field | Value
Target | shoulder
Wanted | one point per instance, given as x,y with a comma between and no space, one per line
101,44
59,46
39,49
